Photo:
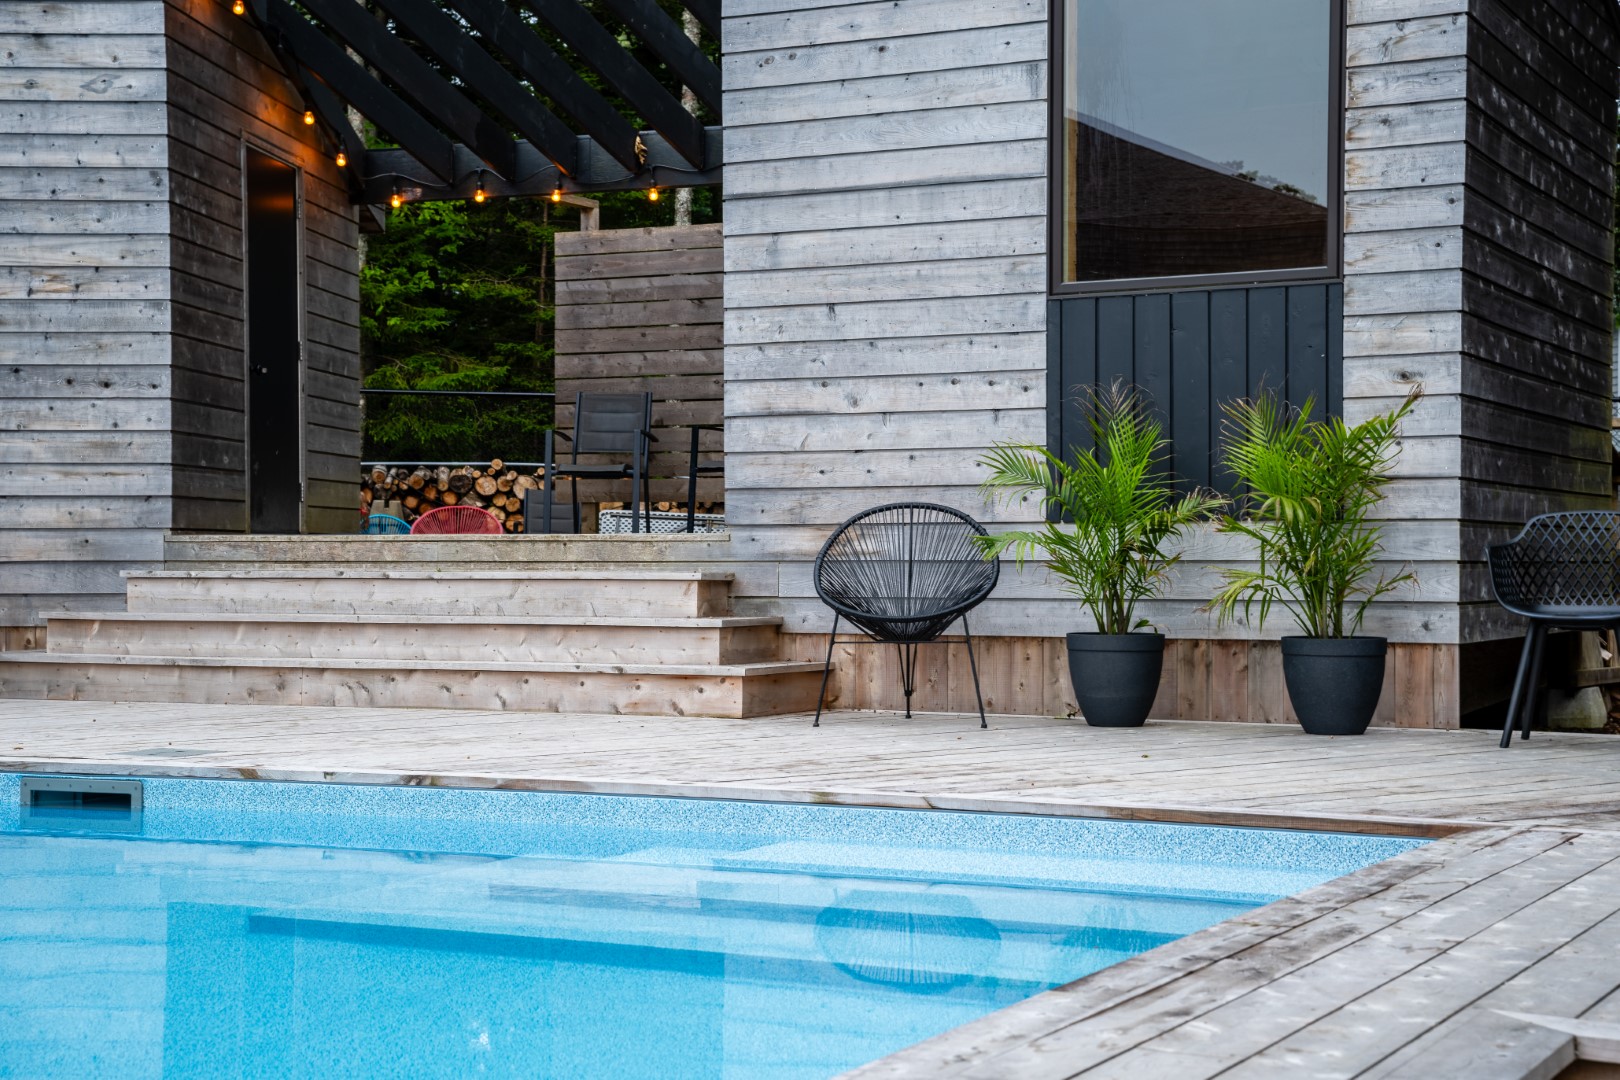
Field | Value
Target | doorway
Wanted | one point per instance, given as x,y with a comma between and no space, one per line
274,345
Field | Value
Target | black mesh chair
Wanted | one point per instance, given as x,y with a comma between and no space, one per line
604,424
1562,572
903,573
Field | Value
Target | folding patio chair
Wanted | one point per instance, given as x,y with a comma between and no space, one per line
605,424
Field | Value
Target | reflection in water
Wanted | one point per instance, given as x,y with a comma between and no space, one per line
932,943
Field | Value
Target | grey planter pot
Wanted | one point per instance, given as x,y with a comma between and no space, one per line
1334,683
1115,676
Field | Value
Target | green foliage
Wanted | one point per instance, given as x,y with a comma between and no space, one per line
455,296
1123,509
1313,485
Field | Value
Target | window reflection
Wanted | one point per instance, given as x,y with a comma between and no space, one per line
1197,137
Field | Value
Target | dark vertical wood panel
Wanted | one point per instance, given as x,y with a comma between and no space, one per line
1190,412
1152,353
1079,368
1116,339
1335,342
1054,374
1194,351
1268,341
1307,347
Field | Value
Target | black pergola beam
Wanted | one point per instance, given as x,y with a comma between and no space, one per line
417,80
484,76
332,114
391,170
601,52
669,42
707,12
351,82
511,37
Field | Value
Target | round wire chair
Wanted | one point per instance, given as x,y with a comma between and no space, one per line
1562,572
903,573
384,525
457,520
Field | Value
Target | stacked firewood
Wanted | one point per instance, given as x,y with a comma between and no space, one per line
409,493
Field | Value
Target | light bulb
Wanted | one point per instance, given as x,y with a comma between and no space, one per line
652,194
309,118
556,194
238,8
394,200
342,160
479,196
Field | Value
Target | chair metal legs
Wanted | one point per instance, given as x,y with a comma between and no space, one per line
1522,706
973,665
907,652
826,670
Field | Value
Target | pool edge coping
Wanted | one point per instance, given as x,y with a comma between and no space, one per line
1361,824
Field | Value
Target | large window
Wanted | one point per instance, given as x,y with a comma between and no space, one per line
1199,140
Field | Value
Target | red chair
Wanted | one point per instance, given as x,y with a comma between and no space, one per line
457,521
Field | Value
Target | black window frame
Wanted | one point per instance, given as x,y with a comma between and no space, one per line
1332,270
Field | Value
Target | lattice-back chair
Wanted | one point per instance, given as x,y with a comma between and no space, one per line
903,573
613,424
1562,572
457,521
384,525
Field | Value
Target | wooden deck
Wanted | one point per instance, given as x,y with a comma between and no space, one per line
1487,953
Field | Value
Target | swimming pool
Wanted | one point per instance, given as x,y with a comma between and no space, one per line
251,929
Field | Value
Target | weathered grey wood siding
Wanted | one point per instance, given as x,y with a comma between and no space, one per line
1537,273
885,266
640,310
886,281
84,301
224,88
121,124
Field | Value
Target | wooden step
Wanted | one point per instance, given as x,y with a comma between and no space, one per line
718,690
421,639
617,593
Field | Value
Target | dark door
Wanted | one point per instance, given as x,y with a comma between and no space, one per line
275,484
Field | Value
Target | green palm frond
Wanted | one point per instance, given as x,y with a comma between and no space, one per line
1111,511
1312,486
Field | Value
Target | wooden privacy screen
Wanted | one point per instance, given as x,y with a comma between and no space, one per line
1192,352
640,309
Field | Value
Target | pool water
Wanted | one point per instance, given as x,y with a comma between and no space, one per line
247,929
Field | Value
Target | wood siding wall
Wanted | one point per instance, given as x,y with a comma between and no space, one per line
885,250
84,302
1192,352
225,87
1201,680
1536,275
886,285
120,294
640,310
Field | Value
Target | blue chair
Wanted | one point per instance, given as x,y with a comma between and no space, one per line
385,525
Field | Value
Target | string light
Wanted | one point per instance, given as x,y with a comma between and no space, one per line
309,118
394,200
556,193
652,193
342,160
480,195
238,8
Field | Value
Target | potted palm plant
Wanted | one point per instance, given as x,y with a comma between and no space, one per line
1311,488
1112,511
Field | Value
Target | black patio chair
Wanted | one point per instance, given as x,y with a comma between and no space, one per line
696,467
1562,572
604,424
903,573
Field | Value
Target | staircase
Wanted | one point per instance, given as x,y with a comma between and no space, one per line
651,642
